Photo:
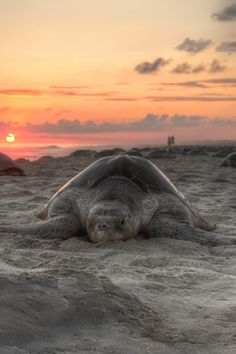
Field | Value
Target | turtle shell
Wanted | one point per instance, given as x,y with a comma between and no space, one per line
136,169
230,160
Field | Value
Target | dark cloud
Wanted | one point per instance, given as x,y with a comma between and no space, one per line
216,67
228,47
193,84
223,82
151,68
186,68
183,68
151,122
65,126
194,46
188,121
199,68
227,14
223,122
191,98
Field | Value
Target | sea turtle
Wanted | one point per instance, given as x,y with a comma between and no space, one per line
118,198
230,160
8,166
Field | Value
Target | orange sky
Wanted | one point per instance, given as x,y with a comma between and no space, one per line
69,62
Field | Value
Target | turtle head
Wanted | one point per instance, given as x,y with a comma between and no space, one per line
111,221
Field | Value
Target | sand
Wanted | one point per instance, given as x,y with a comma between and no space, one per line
159,296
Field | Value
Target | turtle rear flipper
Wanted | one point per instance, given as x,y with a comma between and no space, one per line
202,223
42,213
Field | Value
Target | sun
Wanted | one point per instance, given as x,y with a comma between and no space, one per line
10,138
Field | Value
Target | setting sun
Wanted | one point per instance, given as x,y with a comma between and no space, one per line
10,138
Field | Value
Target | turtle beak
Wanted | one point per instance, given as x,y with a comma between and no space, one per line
102,226
102,231
106,232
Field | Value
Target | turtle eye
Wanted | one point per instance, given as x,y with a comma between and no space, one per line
122,221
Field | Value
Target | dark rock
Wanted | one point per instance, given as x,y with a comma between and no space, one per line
82,153
132,152
9,167
159,154
108,152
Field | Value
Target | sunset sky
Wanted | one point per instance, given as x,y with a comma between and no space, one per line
117,72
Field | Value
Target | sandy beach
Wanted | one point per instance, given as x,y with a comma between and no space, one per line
159,296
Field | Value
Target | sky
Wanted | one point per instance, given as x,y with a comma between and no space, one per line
117,72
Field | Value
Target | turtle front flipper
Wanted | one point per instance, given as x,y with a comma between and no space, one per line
167,226
62,226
